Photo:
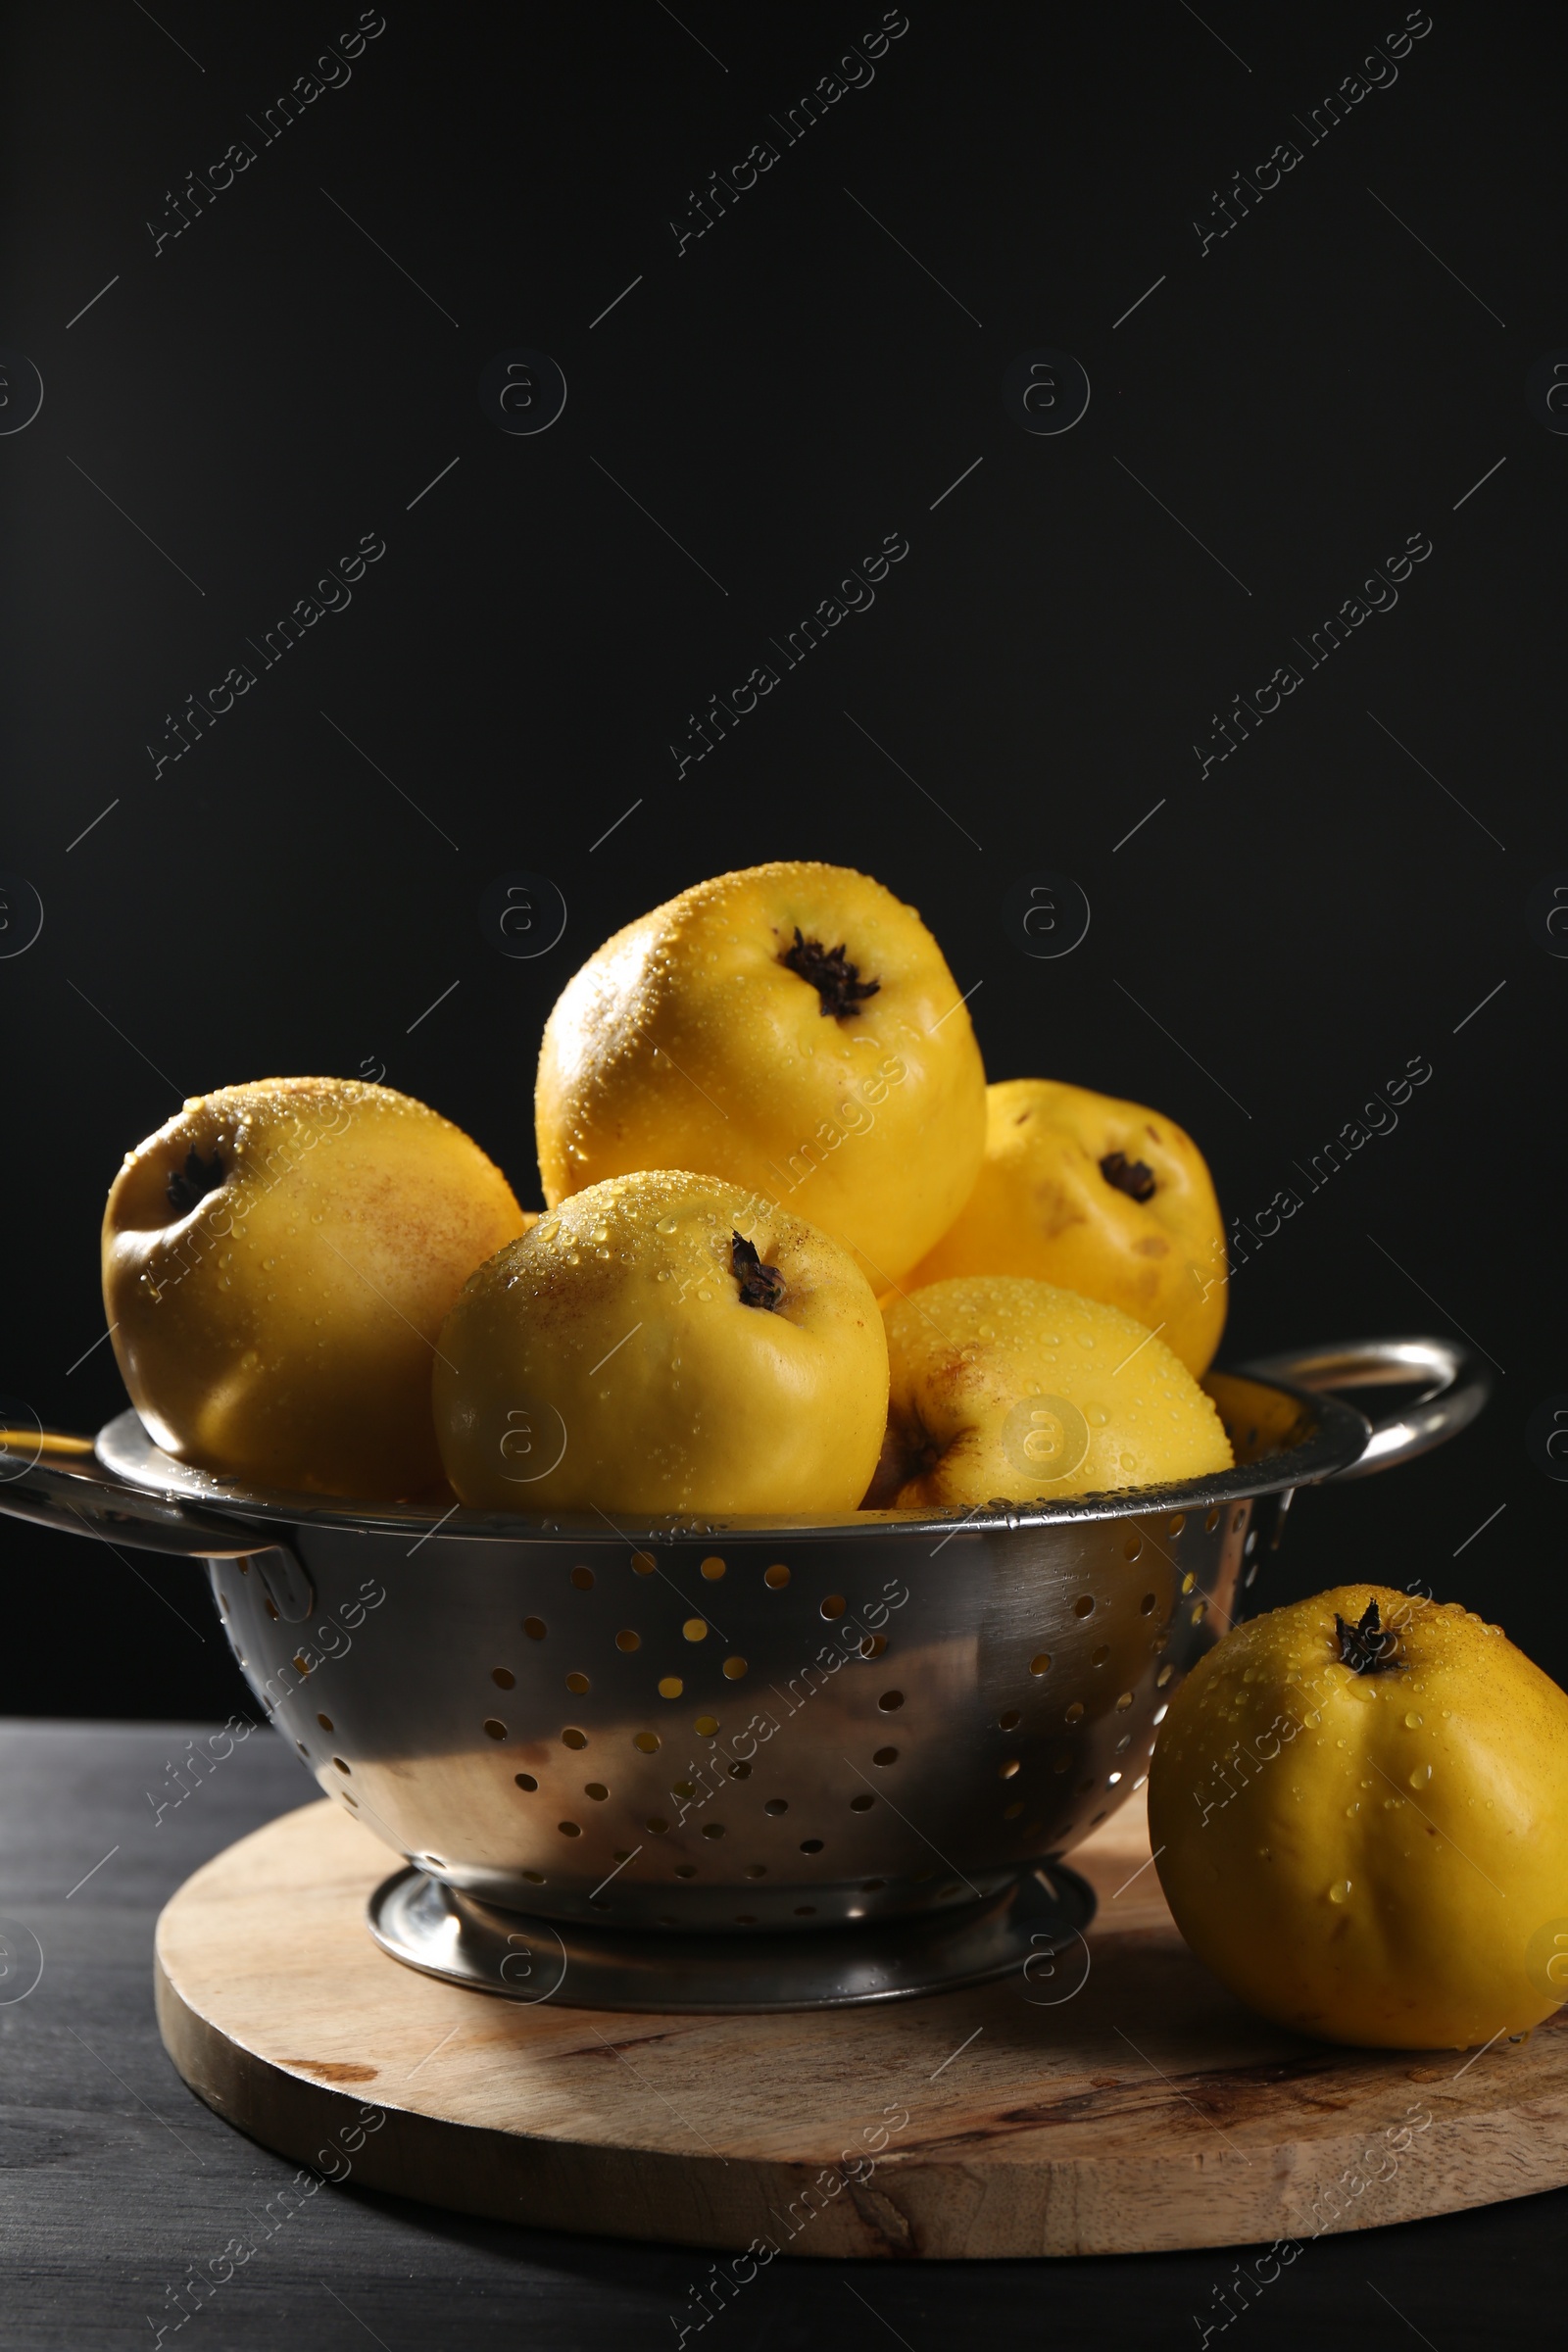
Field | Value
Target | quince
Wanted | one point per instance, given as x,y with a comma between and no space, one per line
1103,1197
658,1342
1000,1387
278,1260
791,1028
1359,1809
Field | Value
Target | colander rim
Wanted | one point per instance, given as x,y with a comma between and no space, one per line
1330,1436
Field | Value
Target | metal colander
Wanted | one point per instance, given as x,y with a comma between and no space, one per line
670,1746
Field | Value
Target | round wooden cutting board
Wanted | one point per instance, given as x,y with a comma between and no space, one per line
1121,2103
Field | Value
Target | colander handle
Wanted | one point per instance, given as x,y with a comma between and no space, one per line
53,1478
1454,1380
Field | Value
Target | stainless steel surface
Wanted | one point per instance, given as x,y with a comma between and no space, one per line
55,1485
1454,1386
1036,1928
721,1726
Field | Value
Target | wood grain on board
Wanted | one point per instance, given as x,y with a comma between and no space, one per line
1133,2108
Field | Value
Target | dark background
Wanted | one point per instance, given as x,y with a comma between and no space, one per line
1314,389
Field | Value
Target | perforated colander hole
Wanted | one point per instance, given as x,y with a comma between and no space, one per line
525,1779
1098,1657
713,1568
572,1736
627,1640
810,1846
568,1828
1132,1548
596,1789
648,1742
1041,1664
886,1757
694,1628
1124,1702
1113,1779
1177,1524
1084,1787
643,1563
685,1870
1211,1522
1075,1713
1084,1605
1126,1741
861,1805
583,1578
272,1607
338,1761
300,1744
503,1678
1062,1763
946,1894
670,1685
1012,1811
740,1772
576,1683
1163,1677
655,1827
349,1798
872,1645
1199,1611
757,1870
534,1878
535,1628
599,1902
890,1701
1010,1721
712,1829
777,1804
1188,1580
1010,1770
326,1721
776,1577
834,1605
706,1726
734,1668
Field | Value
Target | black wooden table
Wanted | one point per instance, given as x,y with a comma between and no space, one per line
117,2183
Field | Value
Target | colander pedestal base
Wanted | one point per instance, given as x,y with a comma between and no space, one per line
1035,1927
